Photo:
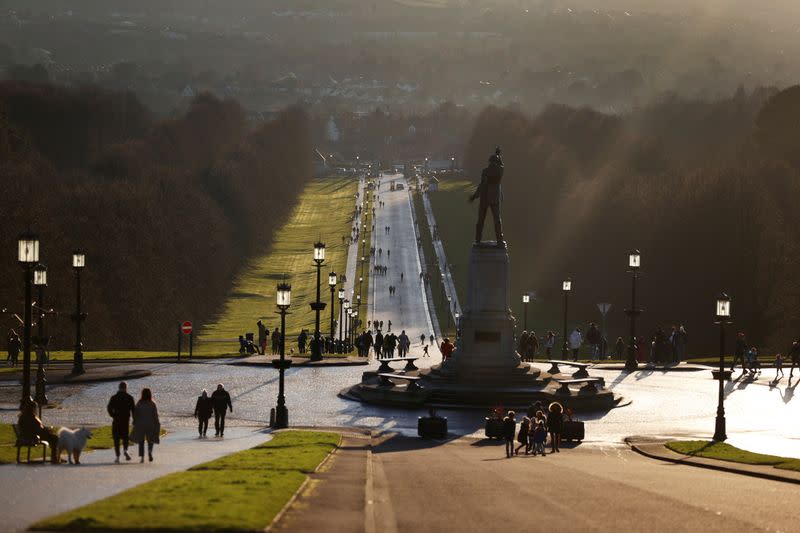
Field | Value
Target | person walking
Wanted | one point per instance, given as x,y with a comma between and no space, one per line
262,337
778,366
739,350
404,343
14,346
575,341
202,412
146,425
794,354
222,401
121,408
522,435
509,429
378,344
549,343
532,347
619,348
593,338
555,424
539,436
522,346
447,348
422,339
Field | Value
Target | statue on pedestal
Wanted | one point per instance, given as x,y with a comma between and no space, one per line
490,195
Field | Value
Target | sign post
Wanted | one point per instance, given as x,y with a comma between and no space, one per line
185,329
603,308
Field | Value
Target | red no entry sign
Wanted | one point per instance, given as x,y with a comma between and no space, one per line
186,327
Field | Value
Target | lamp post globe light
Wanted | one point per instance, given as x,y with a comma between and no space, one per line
78,264
566,287
526,298
27,255
634,262
317,306
723,312
40,280
332,280
341,317
283,301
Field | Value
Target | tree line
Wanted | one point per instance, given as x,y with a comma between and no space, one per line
705,189
167,211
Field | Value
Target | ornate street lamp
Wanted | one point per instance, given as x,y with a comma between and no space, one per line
317,306
40,280
78,264
27,255
723,317
341,318
634,262
566,287
526,298
332,284
284,300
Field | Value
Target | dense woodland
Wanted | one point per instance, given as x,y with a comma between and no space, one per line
707,190
166,211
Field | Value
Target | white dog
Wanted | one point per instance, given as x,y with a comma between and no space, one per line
73,442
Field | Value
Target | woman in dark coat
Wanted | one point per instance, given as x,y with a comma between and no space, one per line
146,424
555,424
202,411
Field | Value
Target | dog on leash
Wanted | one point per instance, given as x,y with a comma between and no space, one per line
73,442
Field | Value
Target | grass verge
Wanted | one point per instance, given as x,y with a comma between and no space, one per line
324,211
239,492
726,452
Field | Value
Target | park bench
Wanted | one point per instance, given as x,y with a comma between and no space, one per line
589,384
581,373
33,442
387,377
408,360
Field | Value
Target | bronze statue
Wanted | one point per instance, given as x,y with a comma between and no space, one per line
490,195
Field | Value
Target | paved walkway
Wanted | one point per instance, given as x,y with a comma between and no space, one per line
449,284
468,485
408,308
34,492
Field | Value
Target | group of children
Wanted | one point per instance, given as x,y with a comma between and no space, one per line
532,434
533,430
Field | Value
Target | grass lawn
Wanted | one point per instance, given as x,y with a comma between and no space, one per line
726,452
240,492
323,211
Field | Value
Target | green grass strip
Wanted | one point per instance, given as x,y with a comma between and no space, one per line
240,492
726,452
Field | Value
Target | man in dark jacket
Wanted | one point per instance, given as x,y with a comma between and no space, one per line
121,408
490,195
222,402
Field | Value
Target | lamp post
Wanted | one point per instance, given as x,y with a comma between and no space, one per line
355,325
332,284
723,317
284,300
40,280
566,286
317,306
78,264
525,300
346,321
27,255
341,317
634,262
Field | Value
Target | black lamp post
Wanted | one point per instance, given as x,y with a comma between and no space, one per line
284,300
723,317
332,285
317,306
346,320
78,264
566,286
341,316
525,300
355,325
40,280
28,255
634,262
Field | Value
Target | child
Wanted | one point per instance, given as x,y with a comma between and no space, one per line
752,358
778,365
522,435
539,436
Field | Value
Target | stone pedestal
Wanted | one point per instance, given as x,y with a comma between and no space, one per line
486,346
